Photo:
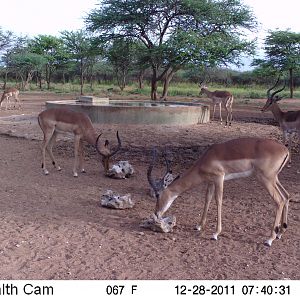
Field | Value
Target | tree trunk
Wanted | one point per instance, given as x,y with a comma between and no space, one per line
5,80
154,83
291,83
140,79
81,77
167,80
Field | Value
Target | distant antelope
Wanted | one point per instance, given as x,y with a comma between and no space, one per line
289,121
219,98
56,120
7,94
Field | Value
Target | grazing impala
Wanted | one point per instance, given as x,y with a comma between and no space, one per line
289,121
233,159
7,94
220,97
55,120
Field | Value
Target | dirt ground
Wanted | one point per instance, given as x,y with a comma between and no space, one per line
53,227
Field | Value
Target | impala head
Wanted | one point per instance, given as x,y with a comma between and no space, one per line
272,97
202,89
105,152
160,186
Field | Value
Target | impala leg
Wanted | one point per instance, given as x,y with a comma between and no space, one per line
220,110
287,140
285,195
214,109
47,138
227,116
228,107
209,195
76,154
272,188
82,170
219,198
7,103
49,149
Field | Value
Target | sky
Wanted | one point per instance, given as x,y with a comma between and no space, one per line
33,17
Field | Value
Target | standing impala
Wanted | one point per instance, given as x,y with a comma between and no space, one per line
7,94
289,121
220,97
233,159
55,120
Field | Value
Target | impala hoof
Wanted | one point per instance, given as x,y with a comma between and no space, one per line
198,227
268,243
214,237
75,175
46,172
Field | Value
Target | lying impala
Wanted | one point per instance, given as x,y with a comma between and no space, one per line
289,121
219,98
55,120
7,94
233,159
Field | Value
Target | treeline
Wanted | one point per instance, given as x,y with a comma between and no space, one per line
155,42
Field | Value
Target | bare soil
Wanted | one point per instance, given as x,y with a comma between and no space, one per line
53,227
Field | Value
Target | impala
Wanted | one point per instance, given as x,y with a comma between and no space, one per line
289,121
219,98
55,120
232,159
7,94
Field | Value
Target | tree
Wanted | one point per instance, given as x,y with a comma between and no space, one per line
6,39
161,25
121,54
26,64
52,49
282,53
81,48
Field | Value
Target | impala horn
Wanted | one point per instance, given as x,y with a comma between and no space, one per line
149,173
276,92
106,144
269,90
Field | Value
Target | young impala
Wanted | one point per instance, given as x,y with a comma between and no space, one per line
233,159
55,120
7,94
219,98
289,121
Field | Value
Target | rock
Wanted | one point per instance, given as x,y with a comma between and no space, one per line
159,225
111,200
122,170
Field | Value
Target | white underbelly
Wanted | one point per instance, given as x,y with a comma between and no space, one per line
230,176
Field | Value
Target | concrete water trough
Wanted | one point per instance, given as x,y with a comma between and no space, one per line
105,111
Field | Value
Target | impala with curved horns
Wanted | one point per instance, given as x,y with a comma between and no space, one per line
289,121
59,120
232,159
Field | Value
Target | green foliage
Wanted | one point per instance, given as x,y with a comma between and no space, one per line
283,49
176,33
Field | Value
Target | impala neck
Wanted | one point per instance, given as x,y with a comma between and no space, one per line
186,181
207,92
277,112
90,136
